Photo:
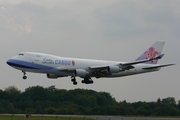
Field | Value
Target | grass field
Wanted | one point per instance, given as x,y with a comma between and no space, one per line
15,117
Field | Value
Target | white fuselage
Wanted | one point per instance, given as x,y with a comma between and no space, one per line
63,66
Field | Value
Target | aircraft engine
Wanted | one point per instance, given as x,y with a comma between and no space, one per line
54,76
113,69
81,73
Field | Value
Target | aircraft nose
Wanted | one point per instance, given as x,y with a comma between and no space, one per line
10,62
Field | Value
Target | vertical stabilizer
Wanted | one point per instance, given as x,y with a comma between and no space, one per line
152,52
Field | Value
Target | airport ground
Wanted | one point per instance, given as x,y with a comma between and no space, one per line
77,117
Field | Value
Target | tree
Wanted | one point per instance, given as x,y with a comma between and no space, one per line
50,100
141,111
169,100
39,109
158,101
51,110
36,93
10,108
12,92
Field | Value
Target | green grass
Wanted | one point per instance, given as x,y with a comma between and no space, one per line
15,117
151,116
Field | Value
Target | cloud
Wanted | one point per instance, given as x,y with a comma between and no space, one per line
10,2
137,18
21,27
11,21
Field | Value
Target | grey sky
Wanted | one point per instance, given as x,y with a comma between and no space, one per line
117,30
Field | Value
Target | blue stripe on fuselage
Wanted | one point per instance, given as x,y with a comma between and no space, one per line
26,65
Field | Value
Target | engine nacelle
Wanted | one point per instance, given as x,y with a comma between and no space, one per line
113,69
54,76
81,73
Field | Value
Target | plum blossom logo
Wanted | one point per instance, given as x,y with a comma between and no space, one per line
151,53
73,63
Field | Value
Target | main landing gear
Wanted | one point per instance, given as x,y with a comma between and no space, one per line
24,75
86,80
73,79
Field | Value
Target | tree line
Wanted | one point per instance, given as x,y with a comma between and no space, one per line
50,100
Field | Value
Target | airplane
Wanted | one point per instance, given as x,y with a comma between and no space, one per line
55,66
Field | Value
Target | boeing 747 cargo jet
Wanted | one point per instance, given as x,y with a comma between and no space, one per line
55,67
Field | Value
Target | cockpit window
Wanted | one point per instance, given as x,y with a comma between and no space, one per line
21,54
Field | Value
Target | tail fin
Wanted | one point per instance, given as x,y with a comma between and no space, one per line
152,52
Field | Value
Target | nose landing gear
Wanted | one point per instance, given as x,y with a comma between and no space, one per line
24,75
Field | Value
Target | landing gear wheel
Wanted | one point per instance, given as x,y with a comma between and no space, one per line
75,83
72,80
91,82
24,77
87,81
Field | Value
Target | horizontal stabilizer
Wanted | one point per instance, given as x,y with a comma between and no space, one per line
160,56
143,61
158,66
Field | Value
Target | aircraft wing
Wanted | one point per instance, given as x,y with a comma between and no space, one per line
124,66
